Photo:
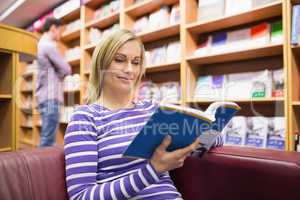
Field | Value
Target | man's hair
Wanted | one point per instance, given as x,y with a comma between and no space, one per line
49,22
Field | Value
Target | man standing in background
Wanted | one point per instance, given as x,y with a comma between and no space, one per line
49,89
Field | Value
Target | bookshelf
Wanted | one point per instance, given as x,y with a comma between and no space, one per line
189,67
293,77
11,56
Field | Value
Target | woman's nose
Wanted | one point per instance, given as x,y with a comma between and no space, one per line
129,67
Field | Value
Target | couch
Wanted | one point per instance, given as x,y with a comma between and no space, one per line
223,173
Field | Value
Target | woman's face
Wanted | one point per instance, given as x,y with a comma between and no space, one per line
122,74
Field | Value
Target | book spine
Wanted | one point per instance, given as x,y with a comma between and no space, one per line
295,24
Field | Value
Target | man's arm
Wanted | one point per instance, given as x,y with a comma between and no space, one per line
61,67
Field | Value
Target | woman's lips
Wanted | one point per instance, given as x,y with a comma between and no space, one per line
125,79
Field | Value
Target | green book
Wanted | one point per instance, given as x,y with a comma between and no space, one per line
276,32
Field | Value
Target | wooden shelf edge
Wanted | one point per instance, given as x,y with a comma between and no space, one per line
104,22
71,16
69,36
237,55
147,6
74,62
160,33
163,67
262,100
256,14
296,103
5,96
6,149
71,91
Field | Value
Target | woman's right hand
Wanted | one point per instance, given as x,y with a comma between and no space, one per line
163,161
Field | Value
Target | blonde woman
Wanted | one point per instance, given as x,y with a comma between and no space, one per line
99,132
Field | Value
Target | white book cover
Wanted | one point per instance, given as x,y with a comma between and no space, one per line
235,131
173,51
170,91
175,14
238,39
204,89
276,134
140,25
204,48
262,85
210,9
239,85
257,132
237,6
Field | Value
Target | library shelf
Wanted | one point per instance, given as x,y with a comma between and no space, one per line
72,91
94,4
27,90
238,55
89,47
257,14
26,126
6,149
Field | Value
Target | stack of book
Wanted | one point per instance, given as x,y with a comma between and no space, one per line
158,19
165,92
295,25
72,54
212,9
66,8
72,82
250,85
258,35
261,132
73,26
107,9
164,54
66,113
95,34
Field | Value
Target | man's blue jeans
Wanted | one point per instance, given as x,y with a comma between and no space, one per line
49,111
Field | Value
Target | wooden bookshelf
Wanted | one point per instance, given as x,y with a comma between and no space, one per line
293,79
238,55
254,15
71,16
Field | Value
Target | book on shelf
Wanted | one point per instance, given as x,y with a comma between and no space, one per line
260,34
159,18
295,33
238,39
210,9
257,132
262,85
219,43
257,3
236,6
66,8
175,14
276,134
276,32
173,52
235,131
278,83
184,125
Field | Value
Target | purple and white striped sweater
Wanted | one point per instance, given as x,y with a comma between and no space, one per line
94,141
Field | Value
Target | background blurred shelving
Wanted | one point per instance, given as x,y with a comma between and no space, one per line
189,67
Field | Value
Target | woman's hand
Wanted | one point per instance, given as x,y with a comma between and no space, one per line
163,161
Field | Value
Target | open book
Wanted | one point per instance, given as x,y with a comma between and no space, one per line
184,125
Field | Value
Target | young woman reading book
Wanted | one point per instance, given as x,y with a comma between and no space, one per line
99,132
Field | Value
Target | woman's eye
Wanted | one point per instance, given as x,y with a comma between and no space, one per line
119,60
136,62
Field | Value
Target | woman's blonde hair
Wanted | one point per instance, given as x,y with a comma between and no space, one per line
102,57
